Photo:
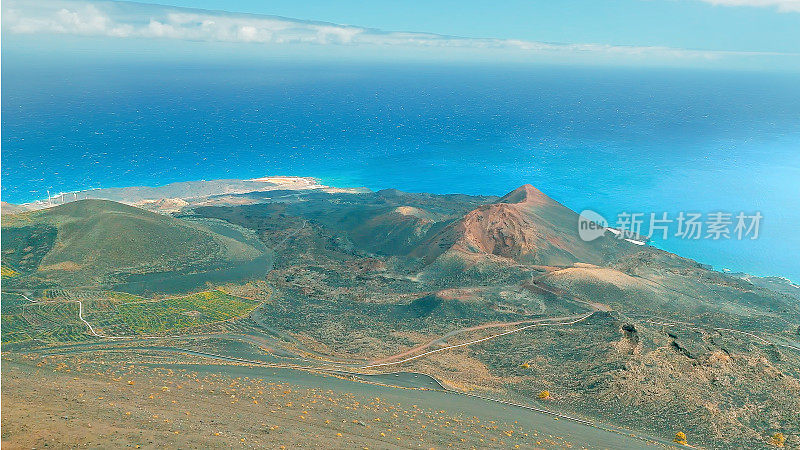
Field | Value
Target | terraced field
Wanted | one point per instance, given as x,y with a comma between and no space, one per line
54,316
8,272
182,312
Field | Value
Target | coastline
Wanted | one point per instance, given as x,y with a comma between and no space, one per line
180,193
174,197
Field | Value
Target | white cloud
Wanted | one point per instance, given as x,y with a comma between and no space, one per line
122,19
780,5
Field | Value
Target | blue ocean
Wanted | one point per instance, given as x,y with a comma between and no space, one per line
611,140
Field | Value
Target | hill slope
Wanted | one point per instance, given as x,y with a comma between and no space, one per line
98,241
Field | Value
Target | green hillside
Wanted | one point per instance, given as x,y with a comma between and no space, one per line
100,241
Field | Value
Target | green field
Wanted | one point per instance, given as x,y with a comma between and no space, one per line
49,322
55,317
183,312
8,272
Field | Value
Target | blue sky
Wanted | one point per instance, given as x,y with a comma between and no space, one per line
753,34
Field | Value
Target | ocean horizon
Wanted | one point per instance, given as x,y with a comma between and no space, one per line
610,140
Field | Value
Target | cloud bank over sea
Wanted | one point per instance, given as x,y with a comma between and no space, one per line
781,5
119,20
